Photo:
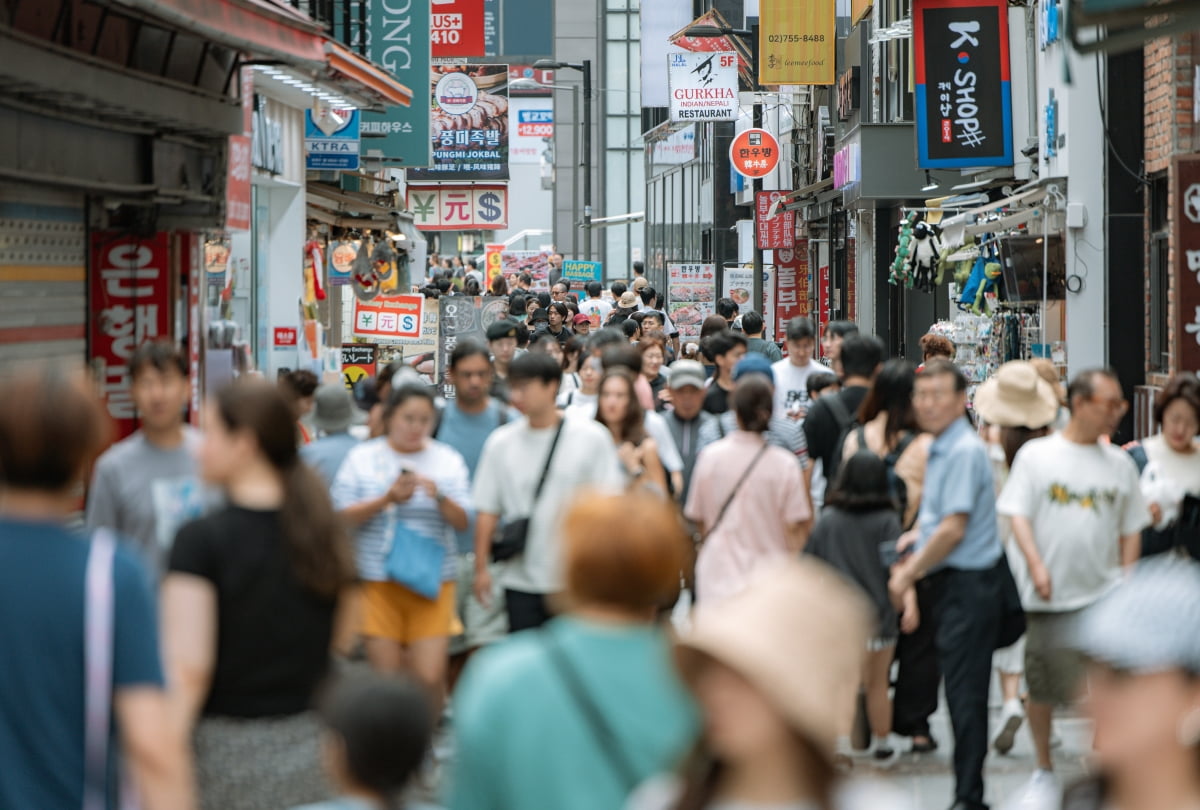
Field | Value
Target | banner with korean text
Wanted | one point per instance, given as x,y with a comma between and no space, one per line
691,296
963,94
791,285
468,124
130,283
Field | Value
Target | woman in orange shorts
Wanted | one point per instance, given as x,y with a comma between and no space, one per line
404,487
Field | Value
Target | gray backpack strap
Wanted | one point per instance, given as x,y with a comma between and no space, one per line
98,613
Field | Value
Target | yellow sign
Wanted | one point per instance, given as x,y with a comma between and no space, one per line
859,9
796,42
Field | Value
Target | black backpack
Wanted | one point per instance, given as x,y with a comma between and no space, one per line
896,486
845,422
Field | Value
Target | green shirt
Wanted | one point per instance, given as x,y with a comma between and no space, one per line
765,348
523,741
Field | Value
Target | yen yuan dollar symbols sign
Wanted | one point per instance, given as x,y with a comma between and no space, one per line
754,153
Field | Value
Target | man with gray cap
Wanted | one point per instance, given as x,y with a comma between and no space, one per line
333,414
687,420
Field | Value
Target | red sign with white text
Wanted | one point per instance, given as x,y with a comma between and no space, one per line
754,153
791,285
286,336
457,29
237,184
130,282
773,233
824,295
396,316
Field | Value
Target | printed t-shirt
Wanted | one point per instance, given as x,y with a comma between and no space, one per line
1081,499
597,310
791,385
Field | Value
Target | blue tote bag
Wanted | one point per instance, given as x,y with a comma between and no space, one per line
415,561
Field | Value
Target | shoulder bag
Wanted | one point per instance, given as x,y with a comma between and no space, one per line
514,534
733,493
592,714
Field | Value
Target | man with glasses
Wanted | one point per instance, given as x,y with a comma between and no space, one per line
1077,514
559,292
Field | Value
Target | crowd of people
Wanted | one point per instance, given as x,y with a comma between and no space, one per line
613,574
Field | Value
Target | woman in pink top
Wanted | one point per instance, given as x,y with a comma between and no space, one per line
747,498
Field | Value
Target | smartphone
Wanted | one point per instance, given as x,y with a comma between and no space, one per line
889,554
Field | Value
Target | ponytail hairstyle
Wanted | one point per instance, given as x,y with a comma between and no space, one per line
317,542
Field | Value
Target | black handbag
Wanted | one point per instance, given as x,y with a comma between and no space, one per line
1012,614
514,534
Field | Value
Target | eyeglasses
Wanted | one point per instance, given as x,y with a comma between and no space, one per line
1118,404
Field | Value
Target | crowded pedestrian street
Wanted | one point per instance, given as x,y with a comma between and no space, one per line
599,405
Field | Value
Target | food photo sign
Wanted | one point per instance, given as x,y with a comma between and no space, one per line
468,126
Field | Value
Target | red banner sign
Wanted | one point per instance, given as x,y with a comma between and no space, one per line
457,29
773,233
130,283
824,297
1187,261
791,285
286,336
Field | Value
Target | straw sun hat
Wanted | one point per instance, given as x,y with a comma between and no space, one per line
797,634
1017,396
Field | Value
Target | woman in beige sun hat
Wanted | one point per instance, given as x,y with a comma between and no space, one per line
1018,404
775,670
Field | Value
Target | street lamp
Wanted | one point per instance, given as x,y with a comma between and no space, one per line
584,67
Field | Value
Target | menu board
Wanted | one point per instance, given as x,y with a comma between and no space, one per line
691,296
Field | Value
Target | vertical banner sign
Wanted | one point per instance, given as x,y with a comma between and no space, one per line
691,296
824,297
796,42
493,262
398,40
130,283
1187,261
462,318
457,29
704,86
195,285
359,361
791,285
468,124
964,99
773,233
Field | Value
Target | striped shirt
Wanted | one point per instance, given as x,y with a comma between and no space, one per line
370,469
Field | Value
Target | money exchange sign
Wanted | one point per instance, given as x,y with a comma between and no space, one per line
458,208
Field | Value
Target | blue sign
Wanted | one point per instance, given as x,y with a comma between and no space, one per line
582,271
331,140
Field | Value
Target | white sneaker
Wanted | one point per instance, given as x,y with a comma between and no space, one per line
884,753
1041,792
1010,722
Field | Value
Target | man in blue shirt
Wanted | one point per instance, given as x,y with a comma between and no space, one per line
957,549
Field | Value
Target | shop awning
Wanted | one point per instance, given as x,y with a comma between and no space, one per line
331,205
356,75
262,27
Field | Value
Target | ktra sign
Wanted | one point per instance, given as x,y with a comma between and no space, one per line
459,208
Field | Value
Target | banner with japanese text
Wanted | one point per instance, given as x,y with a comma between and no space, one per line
468,125
130,283
773,232
963,94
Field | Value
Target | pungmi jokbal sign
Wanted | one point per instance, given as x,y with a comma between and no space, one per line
703,86
964,98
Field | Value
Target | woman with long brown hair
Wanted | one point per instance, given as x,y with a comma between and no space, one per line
249,608
618,410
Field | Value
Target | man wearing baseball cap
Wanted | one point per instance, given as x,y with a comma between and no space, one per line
688,422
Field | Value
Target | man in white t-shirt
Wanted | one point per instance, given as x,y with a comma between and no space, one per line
507,477
792,372
595,307
1077,513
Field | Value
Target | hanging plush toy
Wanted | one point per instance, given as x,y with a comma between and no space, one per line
314,264
383,260
924,254
363,277
902,264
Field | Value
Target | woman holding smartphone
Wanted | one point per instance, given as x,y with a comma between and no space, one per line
405,487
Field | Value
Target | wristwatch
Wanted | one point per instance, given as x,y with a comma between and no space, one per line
440,497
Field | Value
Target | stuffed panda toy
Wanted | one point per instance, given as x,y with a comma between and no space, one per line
926,249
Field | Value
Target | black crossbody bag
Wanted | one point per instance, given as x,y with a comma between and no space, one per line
514,534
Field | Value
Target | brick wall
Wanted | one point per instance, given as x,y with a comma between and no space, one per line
1169,130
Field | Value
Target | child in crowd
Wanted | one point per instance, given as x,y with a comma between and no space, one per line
857,529
378,731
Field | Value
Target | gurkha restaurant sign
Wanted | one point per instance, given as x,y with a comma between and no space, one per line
964,98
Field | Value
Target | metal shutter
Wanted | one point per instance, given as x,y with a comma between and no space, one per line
43,293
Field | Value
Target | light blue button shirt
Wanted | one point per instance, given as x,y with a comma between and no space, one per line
958,480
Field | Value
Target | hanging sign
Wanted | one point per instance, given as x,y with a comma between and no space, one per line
737,284
796,42
359,361
458,208
703,86
791,285
464,318
457,29
130,284
691,296
331,139
964,98
468,125
493,262
577,271
779,231
401,134
389,316
1186,226
754,153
